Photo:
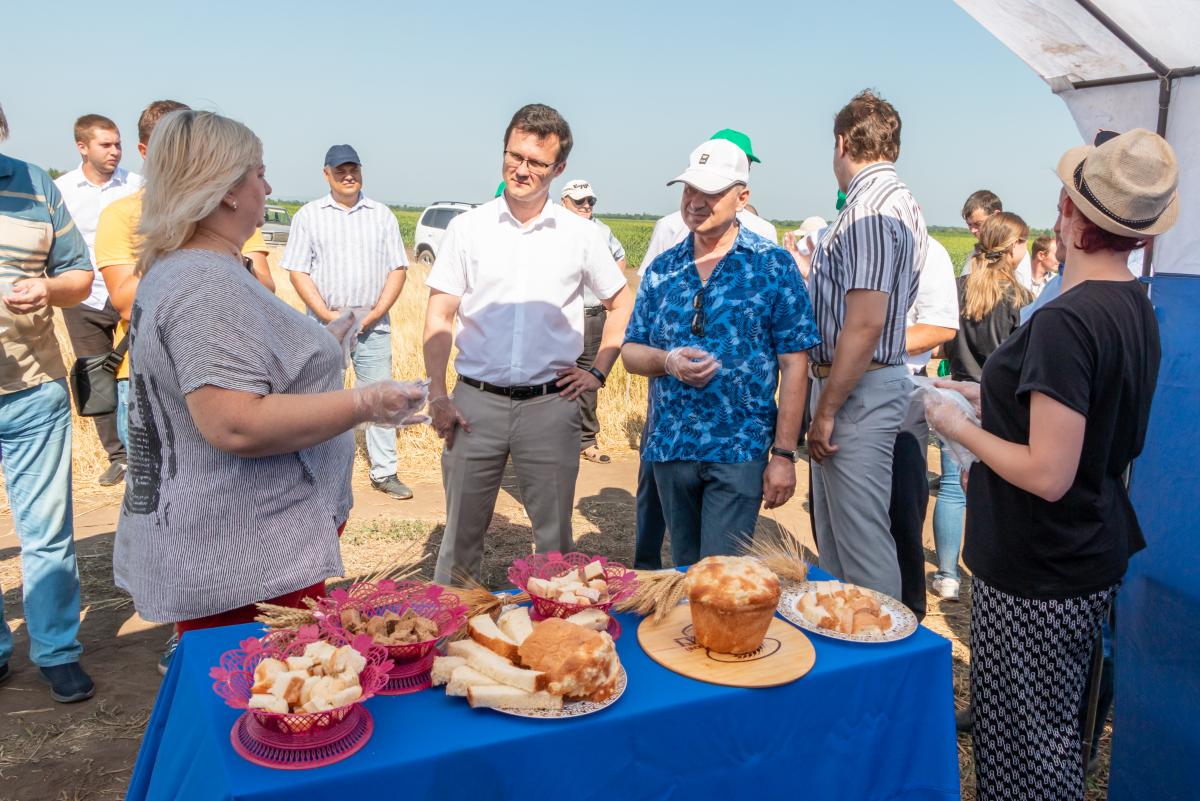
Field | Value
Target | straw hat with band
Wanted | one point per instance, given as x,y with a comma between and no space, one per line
1127,184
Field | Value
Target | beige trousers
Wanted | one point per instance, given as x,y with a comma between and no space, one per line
542,437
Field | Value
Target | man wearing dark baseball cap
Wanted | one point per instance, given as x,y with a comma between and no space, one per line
345,252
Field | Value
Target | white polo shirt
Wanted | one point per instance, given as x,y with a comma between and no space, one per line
85,200
520,319
671,230
937,297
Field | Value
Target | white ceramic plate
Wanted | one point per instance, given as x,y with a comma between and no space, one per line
904,622
573,709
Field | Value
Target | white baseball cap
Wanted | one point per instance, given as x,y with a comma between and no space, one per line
578,190
715,166
811,226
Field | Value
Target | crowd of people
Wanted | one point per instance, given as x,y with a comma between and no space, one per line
233,431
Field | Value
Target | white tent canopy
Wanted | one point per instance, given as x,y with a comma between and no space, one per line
1096,73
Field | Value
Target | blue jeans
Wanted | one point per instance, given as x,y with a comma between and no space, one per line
948,518
372,360
123,412
35,450
707,505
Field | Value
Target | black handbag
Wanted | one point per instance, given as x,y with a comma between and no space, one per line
94,381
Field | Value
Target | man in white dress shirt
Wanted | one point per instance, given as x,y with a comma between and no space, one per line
97,181
980,205
507,288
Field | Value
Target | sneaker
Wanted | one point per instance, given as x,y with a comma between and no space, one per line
964,719
68,683
392,487
164,661
946,588
114,475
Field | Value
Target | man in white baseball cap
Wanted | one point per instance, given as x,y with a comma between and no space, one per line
579,197
718,318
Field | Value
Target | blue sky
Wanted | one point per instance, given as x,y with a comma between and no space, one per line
424,91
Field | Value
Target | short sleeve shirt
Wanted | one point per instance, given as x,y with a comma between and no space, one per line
349,253
670,230
38,239
976,340
201,530
85,201
937,298
756,307
618,252
1094,349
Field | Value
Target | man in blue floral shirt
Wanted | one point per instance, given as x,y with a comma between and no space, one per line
719,316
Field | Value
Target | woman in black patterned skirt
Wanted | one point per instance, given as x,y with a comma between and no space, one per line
1064,404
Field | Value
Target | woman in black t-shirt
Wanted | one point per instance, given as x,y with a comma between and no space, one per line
1065,403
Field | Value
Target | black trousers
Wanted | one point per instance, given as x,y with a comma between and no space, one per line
593,331
910,502
91,332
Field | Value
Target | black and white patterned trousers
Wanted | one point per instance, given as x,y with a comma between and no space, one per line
1029,665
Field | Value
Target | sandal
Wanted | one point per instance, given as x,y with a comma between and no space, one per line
594,454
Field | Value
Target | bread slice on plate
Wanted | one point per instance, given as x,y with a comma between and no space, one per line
485,632
516,624
500,669
464,677
593,619
443,666
495,696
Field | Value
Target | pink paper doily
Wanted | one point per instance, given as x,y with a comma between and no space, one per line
234,677
622,582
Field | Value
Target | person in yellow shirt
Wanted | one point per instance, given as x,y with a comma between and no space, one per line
116,254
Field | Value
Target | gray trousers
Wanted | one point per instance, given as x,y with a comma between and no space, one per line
852,489
593,331
542,437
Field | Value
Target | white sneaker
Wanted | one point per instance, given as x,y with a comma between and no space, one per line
945,588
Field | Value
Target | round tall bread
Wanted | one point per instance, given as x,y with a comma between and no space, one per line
578,662
733,599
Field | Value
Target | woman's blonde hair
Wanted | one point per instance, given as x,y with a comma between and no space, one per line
193,159
993,267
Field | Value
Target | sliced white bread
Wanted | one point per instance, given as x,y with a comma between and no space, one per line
463,677
443,666
494,696
516,624
593,619
489,663
485,632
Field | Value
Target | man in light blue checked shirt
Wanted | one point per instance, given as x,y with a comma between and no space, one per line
345,252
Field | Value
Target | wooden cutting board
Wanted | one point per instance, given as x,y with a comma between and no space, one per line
786,653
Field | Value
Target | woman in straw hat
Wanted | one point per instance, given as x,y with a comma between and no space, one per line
1064,404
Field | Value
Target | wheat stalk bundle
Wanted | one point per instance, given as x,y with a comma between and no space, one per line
779,552
658,592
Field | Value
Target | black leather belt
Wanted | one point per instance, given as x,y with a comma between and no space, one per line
592,311
515,393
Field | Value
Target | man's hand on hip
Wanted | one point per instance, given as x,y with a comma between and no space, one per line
447,418
575,381
820,438
779,482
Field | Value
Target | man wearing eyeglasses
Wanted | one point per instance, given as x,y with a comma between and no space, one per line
718,317
578,196
507,288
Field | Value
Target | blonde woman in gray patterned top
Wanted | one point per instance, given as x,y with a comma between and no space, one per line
241,438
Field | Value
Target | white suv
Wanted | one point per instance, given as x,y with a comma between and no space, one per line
431,225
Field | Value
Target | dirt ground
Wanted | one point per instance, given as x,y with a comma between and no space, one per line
87,750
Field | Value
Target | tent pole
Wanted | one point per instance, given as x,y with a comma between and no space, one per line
1119,32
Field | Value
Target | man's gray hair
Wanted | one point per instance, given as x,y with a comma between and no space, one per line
3,125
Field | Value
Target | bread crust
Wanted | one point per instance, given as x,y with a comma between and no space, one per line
578,662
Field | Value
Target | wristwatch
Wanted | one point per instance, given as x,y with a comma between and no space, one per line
599,375
793,455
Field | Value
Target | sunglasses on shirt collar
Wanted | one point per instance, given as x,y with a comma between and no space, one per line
698,319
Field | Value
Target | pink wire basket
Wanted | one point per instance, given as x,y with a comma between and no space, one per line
427,600
622,582
235,676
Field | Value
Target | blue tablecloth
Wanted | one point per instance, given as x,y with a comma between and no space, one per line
868,722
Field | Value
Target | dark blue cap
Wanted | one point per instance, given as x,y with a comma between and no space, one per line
341,154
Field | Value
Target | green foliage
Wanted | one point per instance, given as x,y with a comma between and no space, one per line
53,173
634,236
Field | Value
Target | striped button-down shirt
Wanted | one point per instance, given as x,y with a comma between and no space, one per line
348,252
878,242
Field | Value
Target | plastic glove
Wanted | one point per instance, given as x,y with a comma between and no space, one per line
948,412
392,403
945,416
345,328
692,366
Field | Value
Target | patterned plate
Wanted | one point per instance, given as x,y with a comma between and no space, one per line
904,622
573,709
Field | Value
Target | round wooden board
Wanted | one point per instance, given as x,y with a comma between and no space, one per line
786,654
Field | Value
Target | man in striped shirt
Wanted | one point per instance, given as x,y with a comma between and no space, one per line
864,279
345,252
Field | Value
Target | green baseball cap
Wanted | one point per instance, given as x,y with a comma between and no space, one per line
740,139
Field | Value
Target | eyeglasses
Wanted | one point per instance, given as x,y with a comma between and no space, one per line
587,201
536,167
698,318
